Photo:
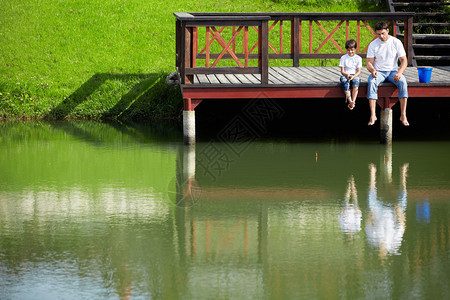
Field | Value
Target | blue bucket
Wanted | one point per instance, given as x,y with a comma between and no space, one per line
424,74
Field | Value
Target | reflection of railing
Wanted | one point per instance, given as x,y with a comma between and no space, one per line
302,44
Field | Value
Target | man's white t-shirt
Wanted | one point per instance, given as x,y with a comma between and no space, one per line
386,54
350,63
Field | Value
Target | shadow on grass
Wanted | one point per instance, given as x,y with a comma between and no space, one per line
148,98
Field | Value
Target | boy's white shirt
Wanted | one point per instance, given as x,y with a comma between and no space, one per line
350,63
386,54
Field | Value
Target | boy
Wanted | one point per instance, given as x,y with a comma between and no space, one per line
351,64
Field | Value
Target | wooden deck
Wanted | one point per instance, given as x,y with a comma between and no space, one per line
256,42
307,82
310,77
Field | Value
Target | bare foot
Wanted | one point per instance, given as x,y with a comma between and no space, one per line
404,121
372,120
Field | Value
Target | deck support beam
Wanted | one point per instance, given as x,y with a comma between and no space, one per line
386,126
189,120
386,104
189,127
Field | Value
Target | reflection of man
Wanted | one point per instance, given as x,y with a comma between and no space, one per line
386,223
350,216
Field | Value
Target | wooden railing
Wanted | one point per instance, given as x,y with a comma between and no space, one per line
258,30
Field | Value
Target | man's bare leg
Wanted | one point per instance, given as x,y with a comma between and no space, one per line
372,106
403,102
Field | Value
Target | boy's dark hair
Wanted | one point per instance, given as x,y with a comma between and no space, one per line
381,26
350,44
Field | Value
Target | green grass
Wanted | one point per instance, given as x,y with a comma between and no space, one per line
103,58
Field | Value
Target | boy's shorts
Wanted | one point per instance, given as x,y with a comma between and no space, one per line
349,84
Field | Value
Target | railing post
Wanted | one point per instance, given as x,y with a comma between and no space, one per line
295,41
194,47
409,40
178,44
188,50
263,51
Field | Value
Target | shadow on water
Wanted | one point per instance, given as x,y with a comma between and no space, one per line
324,120
98,133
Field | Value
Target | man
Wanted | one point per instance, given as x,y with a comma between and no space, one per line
383,55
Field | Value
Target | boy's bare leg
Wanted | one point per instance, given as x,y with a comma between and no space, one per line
352,103
403,102
348,97
372,106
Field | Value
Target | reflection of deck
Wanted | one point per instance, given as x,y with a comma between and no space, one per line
263,193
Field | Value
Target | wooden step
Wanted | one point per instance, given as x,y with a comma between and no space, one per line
412,1
431,46
428,57
427,24
421,4
423,36
431,36
432,14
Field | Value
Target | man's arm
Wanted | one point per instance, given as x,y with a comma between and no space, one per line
369,66
402,68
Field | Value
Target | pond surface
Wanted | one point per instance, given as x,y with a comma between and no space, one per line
93,210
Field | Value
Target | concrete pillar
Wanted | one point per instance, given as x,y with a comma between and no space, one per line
386,126
189,127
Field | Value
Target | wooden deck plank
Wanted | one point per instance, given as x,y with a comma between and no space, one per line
273,77
222,79
213,79
364,74
319,76
317,79
242,79
306,79
292,76
440,74
311,76
202,79
285,76
257,77
410,75
334,73
252,79
232,79
280,77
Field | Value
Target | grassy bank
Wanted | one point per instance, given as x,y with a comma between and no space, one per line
105,58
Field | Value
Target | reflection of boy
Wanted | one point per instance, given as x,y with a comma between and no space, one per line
350,216
351,64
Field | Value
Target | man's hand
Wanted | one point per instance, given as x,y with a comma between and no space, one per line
374,73
397,76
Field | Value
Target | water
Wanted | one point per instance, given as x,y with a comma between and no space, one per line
101,211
